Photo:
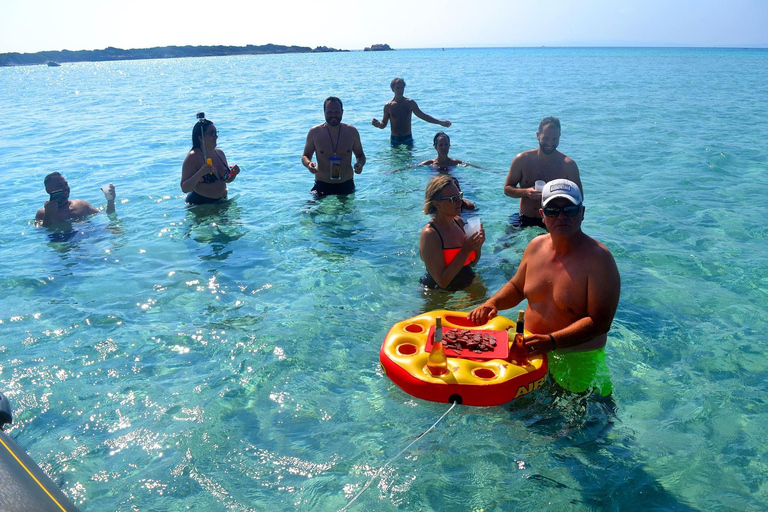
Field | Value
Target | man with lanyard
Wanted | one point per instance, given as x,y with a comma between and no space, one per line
334,143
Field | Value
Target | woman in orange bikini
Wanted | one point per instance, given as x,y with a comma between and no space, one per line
447,252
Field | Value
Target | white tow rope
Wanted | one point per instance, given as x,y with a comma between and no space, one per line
396,456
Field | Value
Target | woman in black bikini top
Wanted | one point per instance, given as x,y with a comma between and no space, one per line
205,183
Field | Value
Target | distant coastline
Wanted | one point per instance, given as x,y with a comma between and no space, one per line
160,52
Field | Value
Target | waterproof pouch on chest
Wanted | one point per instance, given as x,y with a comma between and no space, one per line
335,168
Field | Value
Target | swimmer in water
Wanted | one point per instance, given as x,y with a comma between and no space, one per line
442,143
202,182
60,208
447,252
444,163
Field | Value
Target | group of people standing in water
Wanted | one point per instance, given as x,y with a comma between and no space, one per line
570,280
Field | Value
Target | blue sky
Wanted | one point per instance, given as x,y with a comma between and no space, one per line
35,25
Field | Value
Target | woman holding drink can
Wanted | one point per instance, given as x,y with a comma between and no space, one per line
205,171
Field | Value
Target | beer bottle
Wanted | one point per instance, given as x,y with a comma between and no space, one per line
518,353
437,363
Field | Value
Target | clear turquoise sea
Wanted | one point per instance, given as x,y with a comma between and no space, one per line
226,358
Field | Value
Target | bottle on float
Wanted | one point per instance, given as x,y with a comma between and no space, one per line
518,354
437,363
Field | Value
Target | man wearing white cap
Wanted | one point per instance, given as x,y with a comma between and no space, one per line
542,164
570,280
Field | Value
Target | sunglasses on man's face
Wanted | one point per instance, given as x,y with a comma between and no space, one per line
568,211
213,133
453,199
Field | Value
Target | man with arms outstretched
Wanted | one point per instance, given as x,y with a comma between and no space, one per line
398,111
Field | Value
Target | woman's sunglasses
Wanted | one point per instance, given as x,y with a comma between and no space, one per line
453,199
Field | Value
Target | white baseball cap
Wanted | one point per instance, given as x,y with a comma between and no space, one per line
561,188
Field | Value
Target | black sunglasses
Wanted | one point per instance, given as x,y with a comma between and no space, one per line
568,211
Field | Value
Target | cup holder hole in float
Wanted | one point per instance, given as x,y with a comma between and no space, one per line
484,373
459,320
407,349
414,328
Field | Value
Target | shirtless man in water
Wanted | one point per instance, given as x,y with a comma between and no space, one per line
570,280
59,209
334,142
544,163
399,110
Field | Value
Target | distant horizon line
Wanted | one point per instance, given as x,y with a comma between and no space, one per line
647,45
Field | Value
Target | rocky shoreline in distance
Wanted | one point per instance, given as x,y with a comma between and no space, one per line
160,52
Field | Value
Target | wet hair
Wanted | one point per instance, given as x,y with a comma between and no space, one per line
394,81
434,188
547,121
205,123
333,98
48,178
437,137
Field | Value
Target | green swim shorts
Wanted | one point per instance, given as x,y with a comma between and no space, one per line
581,371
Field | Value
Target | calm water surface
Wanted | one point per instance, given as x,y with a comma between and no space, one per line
226,357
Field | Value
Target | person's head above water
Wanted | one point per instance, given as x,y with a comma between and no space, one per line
331,99
196,139
395,82
549,121
333,110
440,135
561,188
434,191
55,182
53,177
548,135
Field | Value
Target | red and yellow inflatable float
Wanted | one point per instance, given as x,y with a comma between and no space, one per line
476,379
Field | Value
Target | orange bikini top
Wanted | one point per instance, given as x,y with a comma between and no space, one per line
450,253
